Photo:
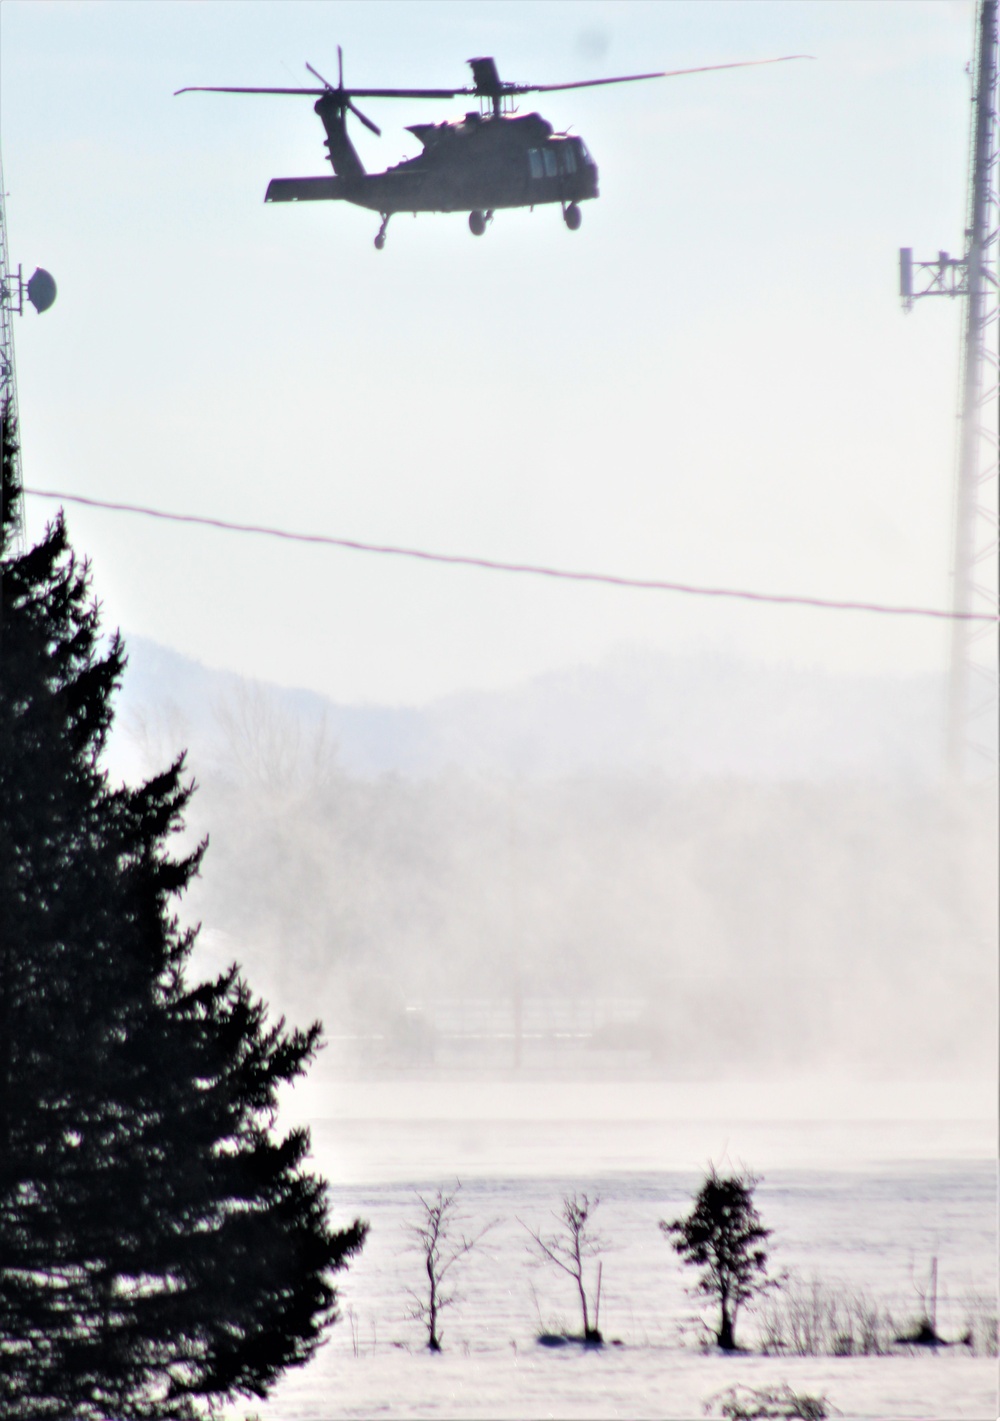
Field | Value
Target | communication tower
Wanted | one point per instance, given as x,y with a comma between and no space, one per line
40,290
972,685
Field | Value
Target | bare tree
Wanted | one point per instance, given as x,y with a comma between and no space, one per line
264,745
570,1248
434,1238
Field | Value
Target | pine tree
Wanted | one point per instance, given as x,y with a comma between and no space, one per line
161,1248
722,1236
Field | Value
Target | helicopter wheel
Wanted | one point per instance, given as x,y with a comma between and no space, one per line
572,216
477,223
380,239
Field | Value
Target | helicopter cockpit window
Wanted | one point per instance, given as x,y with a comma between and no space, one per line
549,159
569,159
535,162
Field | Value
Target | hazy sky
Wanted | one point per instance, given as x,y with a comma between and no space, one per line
711,381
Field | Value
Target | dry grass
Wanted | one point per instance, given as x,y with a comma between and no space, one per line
812,1318
980,1322
809,1317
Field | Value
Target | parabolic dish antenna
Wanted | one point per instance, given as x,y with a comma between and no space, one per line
41,289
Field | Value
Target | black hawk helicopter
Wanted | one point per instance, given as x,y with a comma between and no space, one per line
492,158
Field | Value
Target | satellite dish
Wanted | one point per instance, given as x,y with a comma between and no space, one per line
41,289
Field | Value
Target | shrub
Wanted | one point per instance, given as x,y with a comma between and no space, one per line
744,1403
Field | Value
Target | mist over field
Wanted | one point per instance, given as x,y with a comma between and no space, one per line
824,901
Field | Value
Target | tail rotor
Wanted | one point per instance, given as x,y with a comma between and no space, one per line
344,97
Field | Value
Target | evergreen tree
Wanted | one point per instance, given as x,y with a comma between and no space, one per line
722,1236
161,1248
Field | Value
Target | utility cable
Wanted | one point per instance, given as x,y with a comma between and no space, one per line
535,569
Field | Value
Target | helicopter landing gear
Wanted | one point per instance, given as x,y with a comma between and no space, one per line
478,222
572,216
380,239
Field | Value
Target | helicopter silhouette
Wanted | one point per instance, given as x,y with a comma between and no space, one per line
492,158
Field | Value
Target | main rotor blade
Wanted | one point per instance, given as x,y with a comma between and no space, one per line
504,88
659,74
347,93
405,93
228,89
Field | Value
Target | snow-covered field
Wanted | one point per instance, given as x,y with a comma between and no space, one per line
864,1203
651,1383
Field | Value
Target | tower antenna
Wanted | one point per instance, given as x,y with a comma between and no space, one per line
972,688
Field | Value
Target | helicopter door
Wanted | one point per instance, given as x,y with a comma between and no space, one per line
549,159
535,162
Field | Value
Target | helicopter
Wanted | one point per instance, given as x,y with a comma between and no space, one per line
493,158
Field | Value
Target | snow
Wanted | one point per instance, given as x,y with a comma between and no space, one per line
648,1383
861,1203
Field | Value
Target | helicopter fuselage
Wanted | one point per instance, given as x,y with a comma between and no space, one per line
488,160
480,163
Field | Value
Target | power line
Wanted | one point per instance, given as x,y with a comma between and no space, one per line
535,569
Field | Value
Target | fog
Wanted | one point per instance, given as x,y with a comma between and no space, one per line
602,923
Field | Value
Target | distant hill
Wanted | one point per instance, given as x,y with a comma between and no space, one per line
687,866
688,716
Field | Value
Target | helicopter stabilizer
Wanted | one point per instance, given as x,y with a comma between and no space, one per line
305,190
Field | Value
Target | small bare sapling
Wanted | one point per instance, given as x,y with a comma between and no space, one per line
440,1241
570,1248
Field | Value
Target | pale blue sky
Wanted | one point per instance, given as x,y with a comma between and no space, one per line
711,381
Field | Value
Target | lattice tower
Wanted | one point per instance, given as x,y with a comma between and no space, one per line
10,301
972,668
972,682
